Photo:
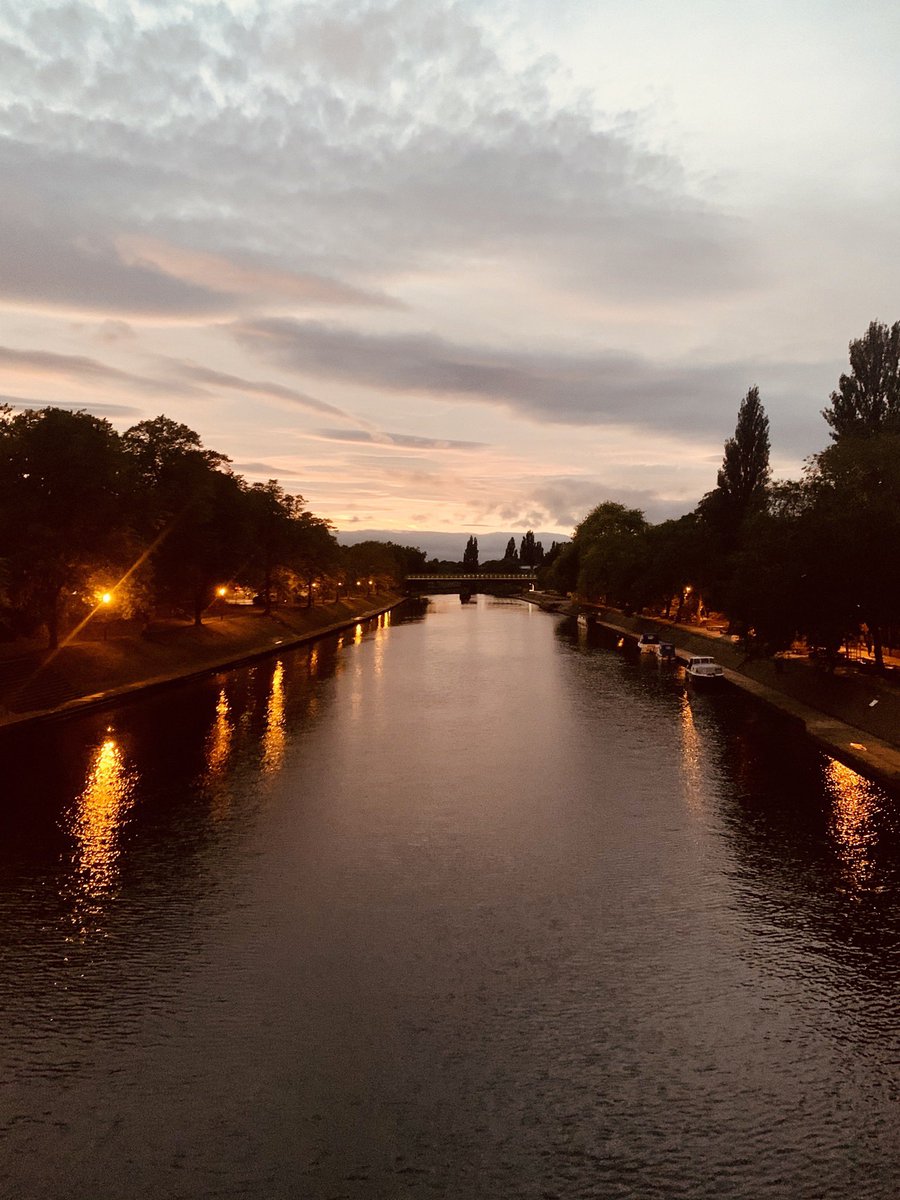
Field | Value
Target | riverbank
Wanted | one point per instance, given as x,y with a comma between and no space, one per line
855,718
89,672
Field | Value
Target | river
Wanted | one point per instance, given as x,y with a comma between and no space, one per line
456,905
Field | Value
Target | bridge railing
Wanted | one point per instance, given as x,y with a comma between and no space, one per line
471,577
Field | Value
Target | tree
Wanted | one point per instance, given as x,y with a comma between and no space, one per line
855,522
470,557
740,492
675,552
315,553
867,400
270,518
607,549
743,479
511,555
385,563
559,568
61,502
778,588
531,553
191,511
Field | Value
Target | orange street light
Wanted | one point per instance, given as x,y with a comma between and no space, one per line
221,591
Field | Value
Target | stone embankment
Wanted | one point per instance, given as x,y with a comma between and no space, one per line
854,716
93,671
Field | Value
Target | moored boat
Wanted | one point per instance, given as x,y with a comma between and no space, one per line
701,668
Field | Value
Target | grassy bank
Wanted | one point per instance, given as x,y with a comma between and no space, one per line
34,682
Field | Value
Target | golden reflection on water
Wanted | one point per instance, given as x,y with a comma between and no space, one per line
691,758
314,660
378,653
274,736
357,633
855,803
99,810
218,744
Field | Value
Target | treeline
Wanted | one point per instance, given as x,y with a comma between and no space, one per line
816,558
527,555
150,521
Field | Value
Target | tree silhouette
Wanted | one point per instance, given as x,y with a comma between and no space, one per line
531,553
744,475
61,500
868,399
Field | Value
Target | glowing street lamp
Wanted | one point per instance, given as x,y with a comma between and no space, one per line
105,600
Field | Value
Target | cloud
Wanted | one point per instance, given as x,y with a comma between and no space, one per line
402,440
307,154
98,410
53,256
566,501
80,368
257,468
262,388
258,280
582,390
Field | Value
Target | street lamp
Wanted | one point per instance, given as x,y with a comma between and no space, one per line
105,601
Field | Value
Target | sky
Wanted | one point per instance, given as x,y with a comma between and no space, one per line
449,267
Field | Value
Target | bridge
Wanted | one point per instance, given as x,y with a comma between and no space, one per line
474,577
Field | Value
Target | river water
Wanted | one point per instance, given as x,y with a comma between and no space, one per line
456,905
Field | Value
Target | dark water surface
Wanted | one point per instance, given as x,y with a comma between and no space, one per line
459,907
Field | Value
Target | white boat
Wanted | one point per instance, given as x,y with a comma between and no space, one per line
649,642
703,669
665,652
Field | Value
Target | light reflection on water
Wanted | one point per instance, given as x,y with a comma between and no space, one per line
275,736
218,744
691,758
96,821
857,802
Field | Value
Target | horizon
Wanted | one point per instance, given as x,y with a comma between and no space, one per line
441,545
